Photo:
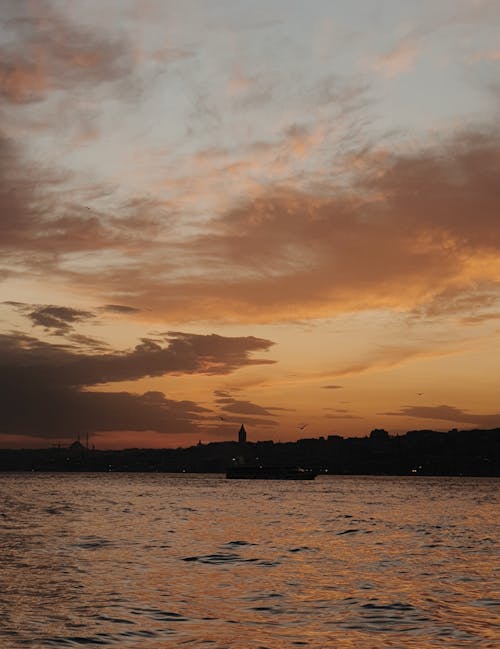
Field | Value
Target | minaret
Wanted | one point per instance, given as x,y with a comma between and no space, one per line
242,435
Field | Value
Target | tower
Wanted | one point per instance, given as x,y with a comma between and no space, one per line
242,435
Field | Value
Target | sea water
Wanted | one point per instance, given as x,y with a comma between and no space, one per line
153,561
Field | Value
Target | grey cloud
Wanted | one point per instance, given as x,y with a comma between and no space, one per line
243,407
346,94
180,353
87,343
42,385
46,53
448,413
41,229
62,412
53,318
58,318
120,308
474,299
228,403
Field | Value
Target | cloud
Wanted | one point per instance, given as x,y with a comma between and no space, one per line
86,344
32,218
332,387
448,413
175,352
486,55
120,309
51,413
401,58
56,319
414,231
45,389
46,224
479,319
228,404
340,413
386,357
248,91
410,228
475,300
243,407
246,411
47,53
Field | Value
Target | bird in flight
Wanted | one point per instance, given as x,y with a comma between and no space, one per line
301,426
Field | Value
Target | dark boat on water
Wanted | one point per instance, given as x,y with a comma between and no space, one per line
269,473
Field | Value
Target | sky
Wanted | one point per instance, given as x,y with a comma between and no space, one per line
279,213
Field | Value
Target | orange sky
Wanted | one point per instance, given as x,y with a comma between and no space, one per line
255,214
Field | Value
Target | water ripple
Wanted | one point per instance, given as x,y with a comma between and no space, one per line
159,562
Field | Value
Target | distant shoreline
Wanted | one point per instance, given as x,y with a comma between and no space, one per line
471,453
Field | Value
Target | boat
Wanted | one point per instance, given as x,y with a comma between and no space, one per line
269,473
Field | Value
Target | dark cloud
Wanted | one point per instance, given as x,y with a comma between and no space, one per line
55,319
448,413
222,394
180,353
87,343
45,389
62,412
58,318
229,404
332,387
120,308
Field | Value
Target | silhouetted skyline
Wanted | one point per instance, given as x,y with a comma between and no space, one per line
417,452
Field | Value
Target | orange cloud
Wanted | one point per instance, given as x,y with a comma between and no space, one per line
408,229
398,60
414,227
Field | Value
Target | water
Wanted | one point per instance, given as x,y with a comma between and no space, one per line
155,561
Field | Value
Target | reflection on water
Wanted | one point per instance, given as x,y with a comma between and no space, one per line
157,561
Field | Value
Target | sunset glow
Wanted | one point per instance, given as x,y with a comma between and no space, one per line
282,214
